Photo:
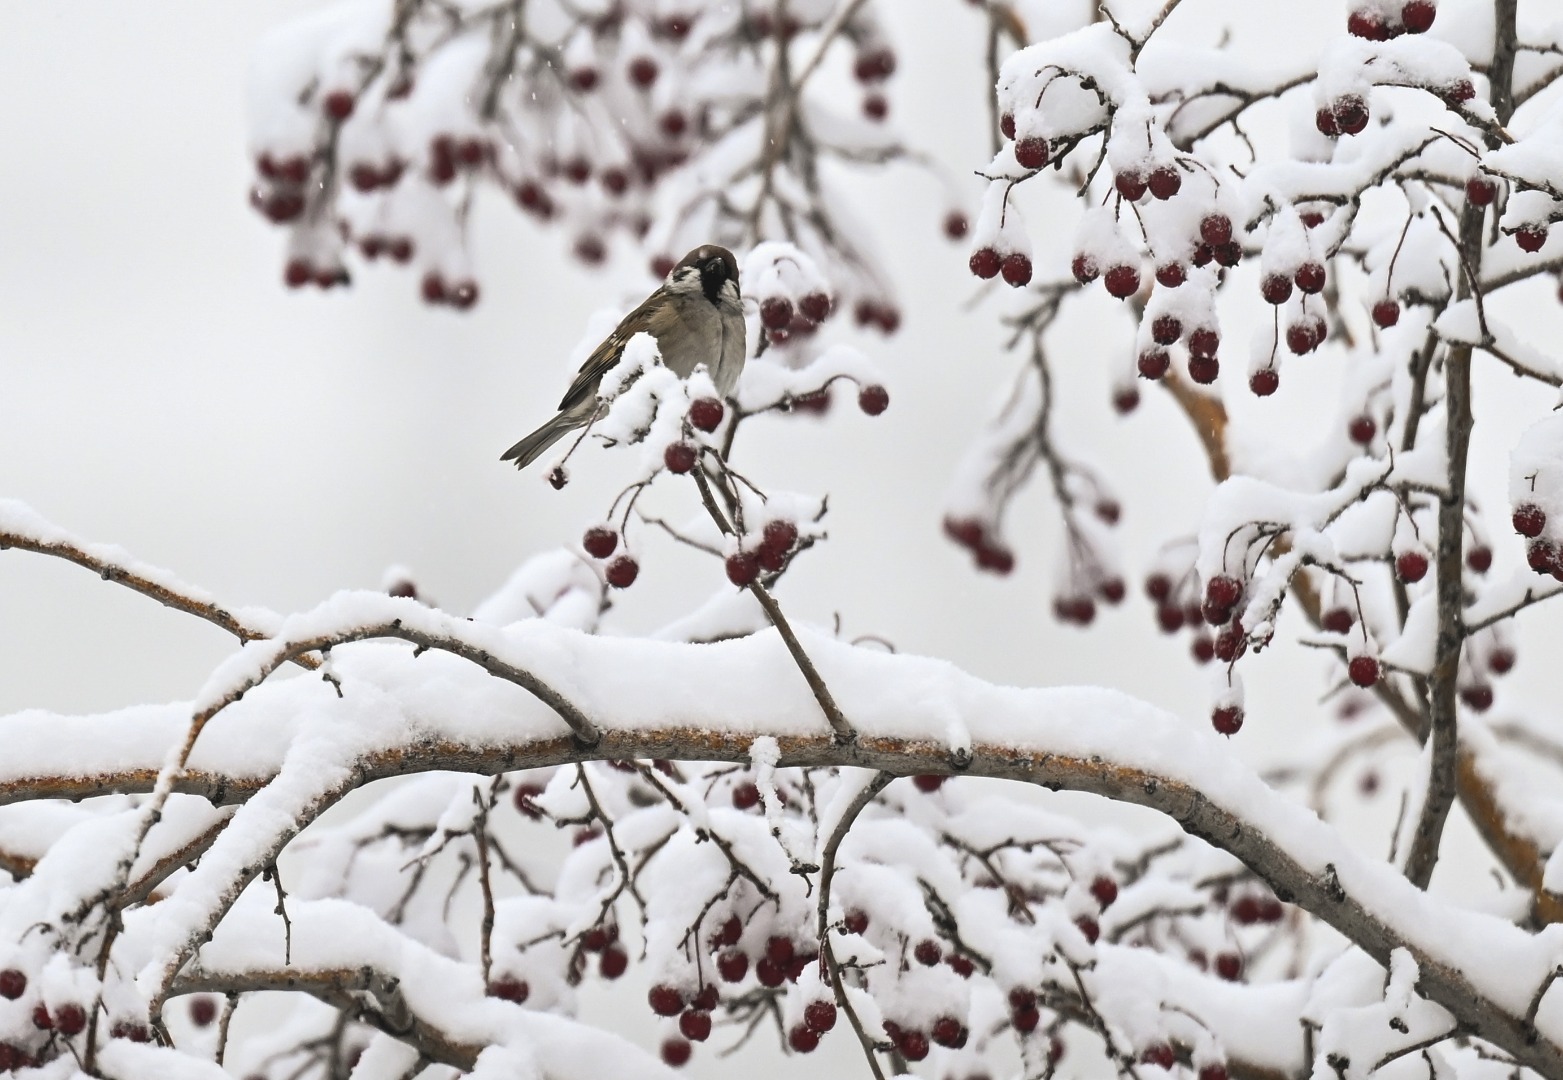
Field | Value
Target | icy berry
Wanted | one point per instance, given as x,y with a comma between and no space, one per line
1213,1072
746,796
1229,966
623,571
1223,590
338,104
1363,671
1031,152
1227,720
820,1016
665,1000
1165,182
1303,337
706,413
679,457
1529,519
913,1044
1089,927
733,965
695,1025
1531,237
985,263
1276,288
1204,342
509,988
1215,229
1017,269
1480,191
1386,313
776,312
1541,556
613,962
70,1019
1361,430
950,1032
816,306
1105,890
928,952
203,1010
1084,268
1264,382
1417,16
1411,566
743,568
1309,277
1170,275
1160,1055
1324,120
1166,329
1204,369
1367,24
803,1039
1130,184
1007,125
13,984
1122,281
1351,114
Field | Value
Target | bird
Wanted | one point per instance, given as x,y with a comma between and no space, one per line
696,316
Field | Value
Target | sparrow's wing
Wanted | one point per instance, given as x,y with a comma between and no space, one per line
584,389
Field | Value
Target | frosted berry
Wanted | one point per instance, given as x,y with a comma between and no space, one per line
679,457
1089,927
1227,720
1529,519
1411,566
1204,342
623,571
1531,237
1166,329
820,1016
776,312
203,1010
1479,558
1160,1055
803,1039
1231,643
1007,125
1229,966
1312,219
779,949
1458,93
856,921
733,965
463,295
509,988
1541,556
1130,184
1417,16
1309,277
1363,671
1084,268
1386,313
873,399
13,984
1367,24
1017,269
676,1051
613,962
985,263
643,71
961,966
1223,591
1361,429
695,1025
742,568
706,414
1480,191
913,1044
950,1032
1351,114
1276,288
1165,182
928,952
1031,152
665,1000
746,796
1215,229
815,305
338,104
955,225
1264,382
1105,890
1324,120
1122,281
1171,275
1204,369
1213,1072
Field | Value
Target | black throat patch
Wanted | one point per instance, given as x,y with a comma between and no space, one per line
712,277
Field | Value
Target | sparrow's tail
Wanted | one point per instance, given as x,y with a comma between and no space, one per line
531,448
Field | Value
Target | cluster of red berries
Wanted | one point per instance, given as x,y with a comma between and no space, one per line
460,295
1543,554
778,540
1414,17
450,155
987,551
782,320
280,197
600,543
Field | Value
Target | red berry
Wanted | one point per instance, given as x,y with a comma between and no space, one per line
1309,277
743,568
1338,620
70,1019
1202,649
13,984
1204,342
679,457
961,966
1017,270
815,305
665,1000
463,295
1025,1019
1213,1072
1229,966
509,988
1161,1055
913,1044
643,71
623,571
1231,643
1541,555
1417,16
873,399
928,952
776,312
1204,369
338,104
1351,114
1367,24
1480,191
1312,219
400,249
433,288
770,973
1105,890
985,263
1089,927
1479,559
1411,566
746,796
779,950
203,1010
1165,181
1361,429
1215,229
1122,281
1031,152
1363,671
955,225
1084,268
1458,93
706,413
676,1051
1386,313
1529,519
733,965
1125,400
1264,382
803,1039
1130,184
1007,125
584,79
856,921
1227,720
1000,560
1478,697
948,1031
820,1016
673,123
41,1018
695,1025
1223,590
298,273
1171,275
1166,329
1531,237
1276,288
1324,120
613,962
928,783
1501,662
875,107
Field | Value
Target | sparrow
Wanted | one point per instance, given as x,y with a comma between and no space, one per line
697,318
